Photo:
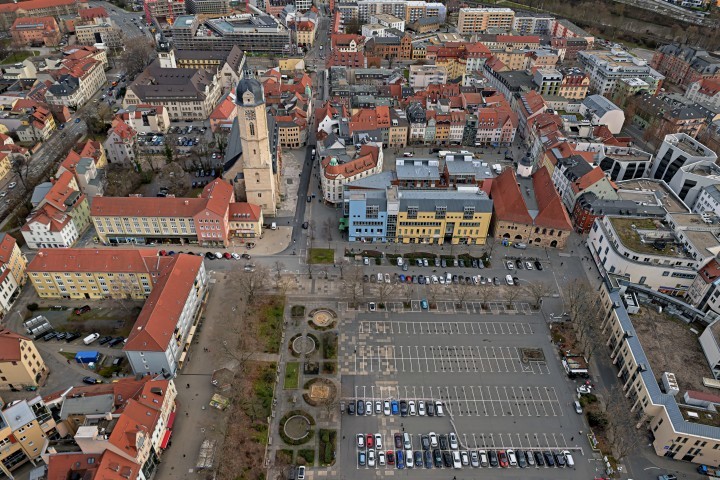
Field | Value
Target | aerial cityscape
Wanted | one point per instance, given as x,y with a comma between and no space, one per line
358,239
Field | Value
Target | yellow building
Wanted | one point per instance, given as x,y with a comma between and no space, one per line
438,217
13,275
455,66
245,220
305,32
5,165
20,362
477,20
419,50
513,59
24,427
95,273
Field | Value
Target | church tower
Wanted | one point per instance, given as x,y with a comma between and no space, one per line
261,182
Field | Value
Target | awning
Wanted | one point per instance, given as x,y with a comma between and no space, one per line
171,421
166,439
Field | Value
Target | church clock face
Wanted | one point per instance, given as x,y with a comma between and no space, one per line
249,114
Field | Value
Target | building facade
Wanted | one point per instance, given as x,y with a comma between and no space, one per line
21,364
479,20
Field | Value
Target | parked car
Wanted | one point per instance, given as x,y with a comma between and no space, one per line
81,310
105,339
116,341
91,380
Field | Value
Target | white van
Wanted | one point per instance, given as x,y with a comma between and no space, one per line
568,458
380,278
273,226
399,262
509,280
439,409
91,338
448,278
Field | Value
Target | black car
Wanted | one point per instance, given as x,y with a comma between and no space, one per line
71,336
428,459
90,380
559,459
474,263
539,459
493,458
447,459
403,408
519,264
360,407
246,256
430,409
461,262
538,265
61,336
105,339
115,341
549,459
418,458
521,461
437,458
210,255
49,336
398,441
425,442
81,310
443,263
443,442
351,408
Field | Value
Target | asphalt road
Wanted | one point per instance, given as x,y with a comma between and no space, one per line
123,19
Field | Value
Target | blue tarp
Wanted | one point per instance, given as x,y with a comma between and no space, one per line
88,356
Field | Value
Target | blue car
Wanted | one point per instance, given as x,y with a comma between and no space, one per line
424,304
395,407
402,278
400,459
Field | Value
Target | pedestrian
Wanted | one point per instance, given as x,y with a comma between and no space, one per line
572,438
188,385
187,414
561,263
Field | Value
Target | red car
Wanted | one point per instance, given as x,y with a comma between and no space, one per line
227,255
162,253
370,441
390,457
503,459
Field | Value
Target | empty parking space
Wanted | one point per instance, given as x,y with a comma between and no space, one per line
392,359
444,328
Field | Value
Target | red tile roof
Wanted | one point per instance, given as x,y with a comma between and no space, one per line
155,326
225,109
34,5
44,23
92,13
710,271
508,200
551,211
7,246
243,211
367,159
103,260
10,346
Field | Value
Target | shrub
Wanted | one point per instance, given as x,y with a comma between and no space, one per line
297,311
308,455
33,306
597,420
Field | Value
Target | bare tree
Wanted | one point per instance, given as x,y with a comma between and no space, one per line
353,285
138,54
278,266
510,294
221,142
21,166
485,293
621,427
385,291
252,282
461,292
433,290
341,266
328,227
310,268
536,291
576,299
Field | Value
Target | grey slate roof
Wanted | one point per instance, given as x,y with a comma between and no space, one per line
18,415
454,201
92,405
417,172
379,181
599,105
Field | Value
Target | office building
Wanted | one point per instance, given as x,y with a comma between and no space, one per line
249,32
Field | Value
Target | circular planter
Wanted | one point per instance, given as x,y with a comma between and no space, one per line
297,427
303,345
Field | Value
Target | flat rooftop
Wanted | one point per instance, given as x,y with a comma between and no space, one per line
645,235
663,195
670,346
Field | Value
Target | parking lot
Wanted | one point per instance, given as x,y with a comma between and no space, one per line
496,376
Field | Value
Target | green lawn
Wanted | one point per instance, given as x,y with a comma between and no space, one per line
17,57
321,255
292,370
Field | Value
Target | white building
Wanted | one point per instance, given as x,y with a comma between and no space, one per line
708,200
387,20
422,76
166,325
76,83
146,118
120,144
603,112
705,92
677,151
338,171
605,69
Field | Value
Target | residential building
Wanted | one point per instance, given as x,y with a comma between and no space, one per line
684,64
388,20
87,162
35,31
245,220
422,76
704,295
526,23
60,216
165,11
339,170
38,8
305,33
705,92
708,200
574,176
76,81
141,220
479,20
5,165
659,116
536,217
21,364
589,207
120,144
145,118
607,68
36,121
224,114
566,29
186,93
210,7
13,265
602,111
249,32
425,25
24,428
161,336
